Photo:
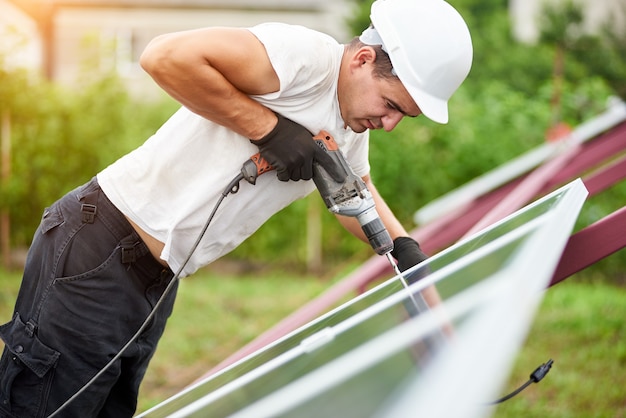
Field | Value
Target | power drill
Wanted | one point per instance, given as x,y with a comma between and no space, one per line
350,198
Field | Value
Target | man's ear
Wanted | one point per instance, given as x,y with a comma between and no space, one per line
365,54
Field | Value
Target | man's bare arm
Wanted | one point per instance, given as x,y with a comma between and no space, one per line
212,71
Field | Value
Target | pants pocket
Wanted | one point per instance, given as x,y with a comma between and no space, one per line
26,369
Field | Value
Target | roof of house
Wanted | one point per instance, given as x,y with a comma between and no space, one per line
35,8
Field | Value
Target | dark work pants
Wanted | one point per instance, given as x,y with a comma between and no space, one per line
88,285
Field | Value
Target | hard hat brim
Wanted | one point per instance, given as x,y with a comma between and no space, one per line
433,108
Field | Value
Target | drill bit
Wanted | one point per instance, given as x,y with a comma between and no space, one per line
416,306
418,300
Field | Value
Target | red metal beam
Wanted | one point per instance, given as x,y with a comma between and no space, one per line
447,229
527,190
592,154
592,244
606,177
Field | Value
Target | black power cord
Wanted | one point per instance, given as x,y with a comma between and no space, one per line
539,373
233,187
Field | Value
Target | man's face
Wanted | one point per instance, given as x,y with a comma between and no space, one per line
369,102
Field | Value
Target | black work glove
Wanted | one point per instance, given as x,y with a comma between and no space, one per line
291,150
408,253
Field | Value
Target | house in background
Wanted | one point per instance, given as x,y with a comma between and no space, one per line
20,44
525,13
74,35
68,36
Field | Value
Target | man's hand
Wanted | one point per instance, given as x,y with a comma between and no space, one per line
291,150
408,253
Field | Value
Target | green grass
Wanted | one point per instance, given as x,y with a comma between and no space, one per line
580,325
214,316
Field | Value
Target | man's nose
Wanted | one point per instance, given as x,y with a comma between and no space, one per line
390,121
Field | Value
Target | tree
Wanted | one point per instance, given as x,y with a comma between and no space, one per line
501,111
61,137
560,27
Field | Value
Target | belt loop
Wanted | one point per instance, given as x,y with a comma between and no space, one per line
89,212
31,326
129,255
89,207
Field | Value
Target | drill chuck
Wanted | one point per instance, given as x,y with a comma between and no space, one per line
359,205
375,231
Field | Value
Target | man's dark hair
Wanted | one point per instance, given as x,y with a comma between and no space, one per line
382,63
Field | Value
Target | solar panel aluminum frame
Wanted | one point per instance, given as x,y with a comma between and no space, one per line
558,221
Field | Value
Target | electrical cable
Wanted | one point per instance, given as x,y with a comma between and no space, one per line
233,187
539,373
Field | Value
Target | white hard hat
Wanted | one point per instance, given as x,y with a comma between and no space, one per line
430,48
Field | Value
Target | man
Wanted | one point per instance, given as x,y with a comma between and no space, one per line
104,254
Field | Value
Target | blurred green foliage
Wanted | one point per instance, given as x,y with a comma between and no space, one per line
61,137
502,110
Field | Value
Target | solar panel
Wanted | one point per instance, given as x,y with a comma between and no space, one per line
386,353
